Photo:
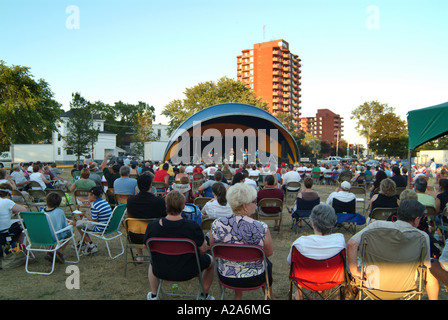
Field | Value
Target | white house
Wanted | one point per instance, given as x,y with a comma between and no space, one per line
105,144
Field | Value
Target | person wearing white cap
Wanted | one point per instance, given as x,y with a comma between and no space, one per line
342,193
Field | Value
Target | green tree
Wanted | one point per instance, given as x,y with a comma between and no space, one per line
28,112
123,118
81,135
390,136
143,131
367,115
206,94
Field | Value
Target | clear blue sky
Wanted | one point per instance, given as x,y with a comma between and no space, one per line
352,51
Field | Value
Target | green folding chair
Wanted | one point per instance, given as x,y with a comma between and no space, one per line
42,237
110,231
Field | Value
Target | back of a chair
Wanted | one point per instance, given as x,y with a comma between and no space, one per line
37,195
201,201
270,203
115,219
207,223
430,211
399,190
238,252
38,228
390,260
293,185
382,213
358,190
121,198
344,207
136,226
171,246
318,275
34,185
304,207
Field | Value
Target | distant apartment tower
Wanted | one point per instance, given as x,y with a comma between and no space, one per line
272,72
326,125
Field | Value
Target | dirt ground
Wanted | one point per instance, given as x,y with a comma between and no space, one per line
101,278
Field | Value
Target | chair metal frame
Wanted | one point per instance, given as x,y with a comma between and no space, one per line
110,228
324,288
174,247
135,226
240,253
44,238
270,202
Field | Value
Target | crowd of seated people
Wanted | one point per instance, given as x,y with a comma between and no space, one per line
235,191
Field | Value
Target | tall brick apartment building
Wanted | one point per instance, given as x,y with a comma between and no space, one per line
273,73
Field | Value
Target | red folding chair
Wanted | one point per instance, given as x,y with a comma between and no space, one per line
321,278
174,247
240,253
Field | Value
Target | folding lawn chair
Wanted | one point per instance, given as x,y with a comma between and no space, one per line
347,217
323,279
42,237
174,247
392,264
110,230
303,212
135,228
240,253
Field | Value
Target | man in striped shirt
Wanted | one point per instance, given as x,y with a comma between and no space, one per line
100,212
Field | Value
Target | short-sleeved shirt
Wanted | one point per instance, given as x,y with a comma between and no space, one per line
243,230
59,221
426,199
125,185
82,184
110,177
5,213
146,205
101,211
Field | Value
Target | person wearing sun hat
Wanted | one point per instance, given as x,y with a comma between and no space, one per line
341,193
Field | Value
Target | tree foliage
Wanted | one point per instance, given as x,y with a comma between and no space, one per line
122,118
28,112
367,115
389,136
206,94
81,134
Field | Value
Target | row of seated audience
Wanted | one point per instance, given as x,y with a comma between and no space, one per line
234,206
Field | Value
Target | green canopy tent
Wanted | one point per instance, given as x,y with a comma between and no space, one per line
426,124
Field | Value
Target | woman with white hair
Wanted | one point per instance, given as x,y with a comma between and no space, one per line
240,228
323,244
